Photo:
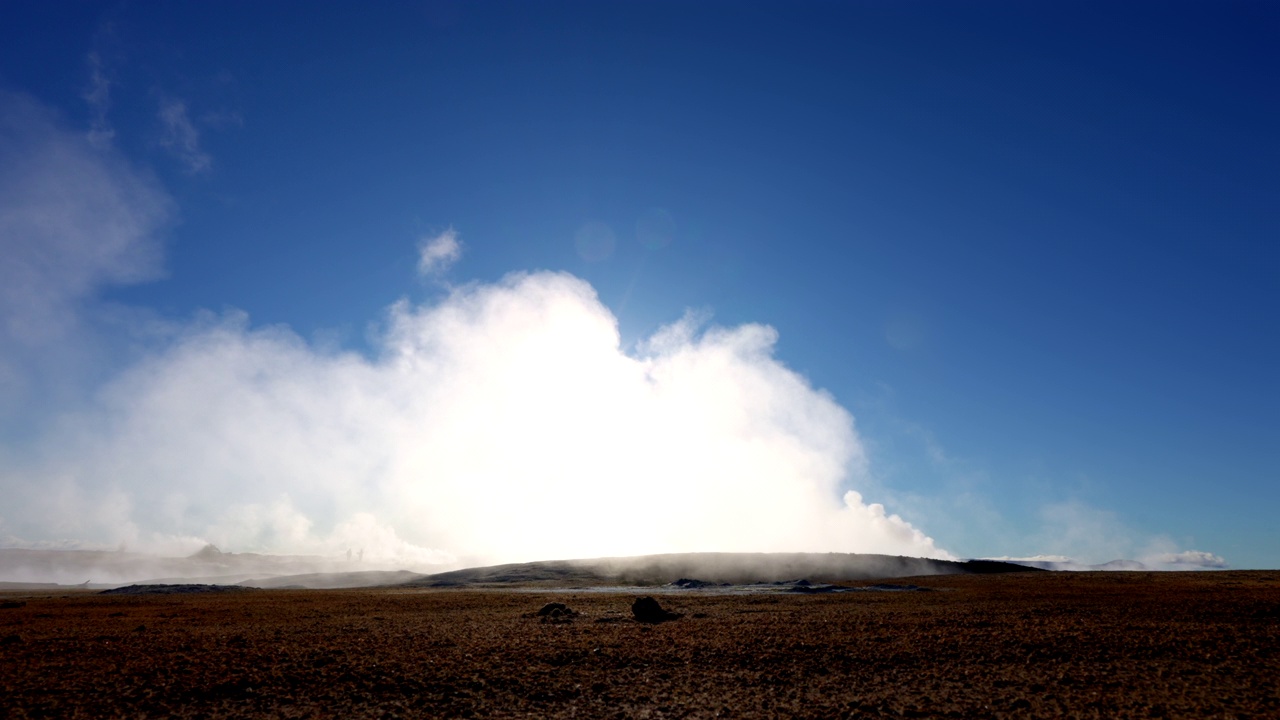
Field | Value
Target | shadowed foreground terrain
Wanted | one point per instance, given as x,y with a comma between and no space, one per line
1090,645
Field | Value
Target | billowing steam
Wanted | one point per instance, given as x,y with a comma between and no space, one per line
503,422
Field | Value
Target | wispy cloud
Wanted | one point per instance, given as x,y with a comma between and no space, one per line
98,97
964,512
222,119
1090,535
73,218
437,254
180,137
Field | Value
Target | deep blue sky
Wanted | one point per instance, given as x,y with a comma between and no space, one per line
1032,247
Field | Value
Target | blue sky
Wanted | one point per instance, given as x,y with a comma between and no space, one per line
1031,248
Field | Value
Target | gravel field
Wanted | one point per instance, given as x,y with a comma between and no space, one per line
1087,645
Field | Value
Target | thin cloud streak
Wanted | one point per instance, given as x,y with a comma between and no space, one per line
73,217
181,138
98,97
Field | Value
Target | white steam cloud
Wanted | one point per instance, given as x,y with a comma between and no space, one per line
505,422
1189,559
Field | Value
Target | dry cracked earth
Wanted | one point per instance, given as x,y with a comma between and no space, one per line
1081,645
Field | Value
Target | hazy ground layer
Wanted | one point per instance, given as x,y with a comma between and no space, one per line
1091,645
23,569
735,568
100,569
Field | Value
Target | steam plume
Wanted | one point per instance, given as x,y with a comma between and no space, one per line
505,422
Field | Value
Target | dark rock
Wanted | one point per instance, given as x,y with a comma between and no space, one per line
647,610
555,609
556,612
691,584
992,567
10,604
804,586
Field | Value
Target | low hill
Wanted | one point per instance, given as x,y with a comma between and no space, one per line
733,568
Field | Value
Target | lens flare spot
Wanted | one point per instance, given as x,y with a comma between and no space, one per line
595,241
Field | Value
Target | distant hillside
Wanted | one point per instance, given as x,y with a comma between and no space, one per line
735,568
99,569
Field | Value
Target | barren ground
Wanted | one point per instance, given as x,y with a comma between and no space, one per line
1089,645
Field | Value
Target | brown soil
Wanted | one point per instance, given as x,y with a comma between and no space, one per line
1089,645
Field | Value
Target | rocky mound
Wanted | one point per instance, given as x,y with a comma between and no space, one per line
647,610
